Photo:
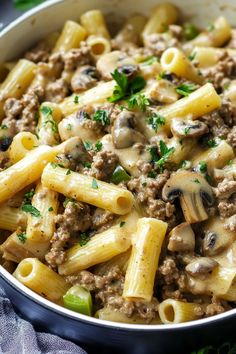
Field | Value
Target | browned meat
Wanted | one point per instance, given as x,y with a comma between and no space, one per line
225,189
103,165
216,125
216,307
76,217
56,91
84,78
108,291
148,193
40,53
224,69
227,207
231,137
226,197
77,57
159,42
102,219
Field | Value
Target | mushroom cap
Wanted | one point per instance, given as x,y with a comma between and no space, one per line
192,188
188,128
181,238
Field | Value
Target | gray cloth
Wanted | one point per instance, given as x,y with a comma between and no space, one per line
18,336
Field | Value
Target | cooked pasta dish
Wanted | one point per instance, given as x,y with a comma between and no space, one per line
117,157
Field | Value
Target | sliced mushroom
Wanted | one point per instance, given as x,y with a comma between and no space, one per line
217,237
129,70
124,134
74,149
182,238
192,189
188,128
84,78
201,266
163,91
111,61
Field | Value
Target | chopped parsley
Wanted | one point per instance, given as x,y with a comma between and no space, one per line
4,126
124,88
22,237
76,99
50,209
185,164
98,146
150,60
84,238
101,116
165,154
196,180
161,76
88,145
28,208
28,196
202,166
87,164
229,163
190,31
186,130
212,143
55,165
138,100
47,111
156,120
152,174
185,89
68,172
192,56
153,153
122,223
94,184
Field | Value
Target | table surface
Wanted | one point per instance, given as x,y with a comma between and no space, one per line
7,14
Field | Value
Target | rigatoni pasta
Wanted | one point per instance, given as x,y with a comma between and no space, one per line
118,168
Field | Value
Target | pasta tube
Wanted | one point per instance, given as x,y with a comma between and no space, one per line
98,94
22,143
162,16
24,172
140,275
41,279
99,45
131,31
199,102
16,81
47,129
87,189
40,229
173,60
175,311
209,56
94,23
12,218
100,248
71,36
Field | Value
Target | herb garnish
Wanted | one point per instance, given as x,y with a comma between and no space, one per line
156,120
165,153
150,60
47,111
28,208
192,56
101,116
22,237
87,164
210,27
84,238
94,184
76,99
196,180
4,126
50,209
122,223
212,143
202,166
153,153
26,4
138,100
190,31
28,196
88,145
98,146
186,130
68,172
185,89
68,200
124,88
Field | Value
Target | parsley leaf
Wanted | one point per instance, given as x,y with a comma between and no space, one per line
88,145
202,166
50,209
4,126
124,88
94,184
84,238
150,60
98,146
185,89
138,100
196,180
47,111
192,56
153,153
22,237
152,174
68,172
68,200
76,99
28,196
87,164
122,223
190,31
101,116
212,143
28,208
165,153
186,130
156,120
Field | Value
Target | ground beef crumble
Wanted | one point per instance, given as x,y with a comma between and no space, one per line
76,217
103,165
